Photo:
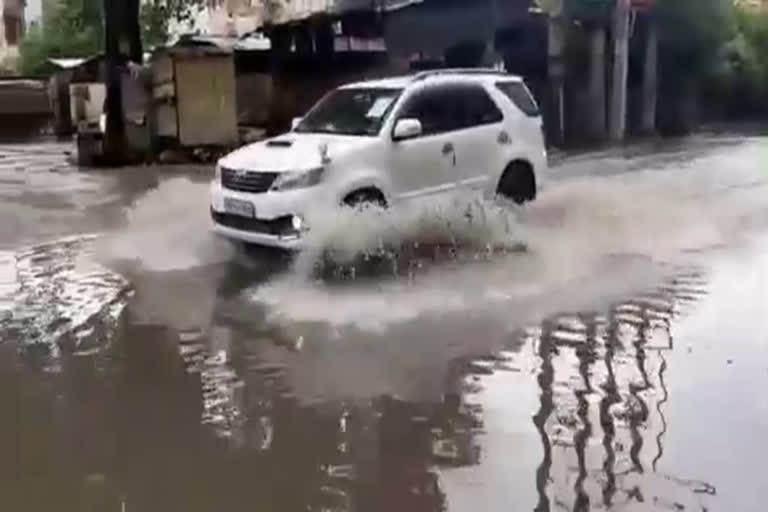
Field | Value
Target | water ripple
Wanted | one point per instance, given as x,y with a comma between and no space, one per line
52,294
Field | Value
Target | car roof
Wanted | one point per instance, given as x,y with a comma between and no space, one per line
395,82
440,75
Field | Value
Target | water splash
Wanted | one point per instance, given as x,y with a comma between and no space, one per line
601,237
167,229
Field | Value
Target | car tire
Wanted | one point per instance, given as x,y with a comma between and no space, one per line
518,183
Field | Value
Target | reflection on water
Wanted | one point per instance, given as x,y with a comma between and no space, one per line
600,418
221,397
602,393
157,418
370,454
221,422
158,404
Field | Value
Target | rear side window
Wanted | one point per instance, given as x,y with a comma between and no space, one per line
518,93
476,107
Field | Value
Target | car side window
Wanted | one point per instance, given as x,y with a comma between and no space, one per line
431,107
478,108
451,107
520,96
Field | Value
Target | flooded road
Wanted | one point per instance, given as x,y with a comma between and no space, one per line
619,362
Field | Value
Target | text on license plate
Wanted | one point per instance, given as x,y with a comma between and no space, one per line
239,207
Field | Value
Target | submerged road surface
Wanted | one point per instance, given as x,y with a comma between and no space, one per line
619,362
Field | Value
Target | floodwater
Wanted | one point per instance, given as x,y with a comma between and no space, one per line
604,349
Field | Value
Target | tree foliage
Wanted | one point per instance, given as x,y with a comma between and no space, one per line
691,33
75,28
157,16
740,80
72,28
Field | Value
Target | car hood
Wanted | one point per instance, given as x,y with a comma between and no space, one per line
293,151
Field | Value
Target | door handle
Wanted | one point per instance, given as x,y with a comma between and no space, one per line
447,149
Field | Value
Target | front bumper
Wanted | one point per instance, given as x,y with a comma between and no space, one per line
274,233
293,243
274,210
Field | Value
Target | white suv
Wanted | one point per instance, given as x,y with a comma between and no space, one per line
386,141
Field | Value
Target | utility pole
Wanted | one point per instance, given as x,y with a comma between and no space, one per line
114,136
597,39
618,106
556,66
650,78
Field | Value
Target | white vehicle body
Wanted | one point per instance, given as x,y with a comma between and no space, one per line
431,134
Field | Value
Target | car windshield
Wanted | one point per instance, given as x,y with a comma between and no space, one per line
356,111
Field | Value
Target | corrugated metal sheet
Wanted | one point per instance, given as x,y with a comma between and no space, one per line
67,63
248,42
302,9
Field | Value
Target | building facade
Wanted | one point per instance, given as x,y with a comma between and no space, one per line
226,18
11,31
239,17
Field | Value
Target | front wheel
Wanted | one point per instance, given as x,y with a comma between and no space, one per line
366,198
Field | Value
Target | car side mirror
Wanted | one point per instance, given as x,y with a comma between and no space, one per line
295,122
406,129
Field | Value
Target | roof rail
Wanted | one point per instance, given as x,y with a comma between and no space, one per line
422,75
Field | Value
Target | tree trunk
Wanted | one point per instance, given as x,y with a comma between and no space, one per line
132,30
114,137
122,34
650,79
597,99
618,114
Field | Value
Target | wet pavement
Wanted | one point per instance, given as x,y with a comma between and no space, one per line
619,362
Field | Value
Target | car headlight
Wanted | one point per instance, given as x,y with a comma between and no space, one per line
217,173
298,179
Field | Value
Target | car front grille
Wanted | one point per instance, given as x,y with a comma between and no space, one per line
247,181
280,226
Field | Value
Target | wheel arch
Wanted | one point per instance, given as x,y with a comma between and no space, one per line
519,174
370,184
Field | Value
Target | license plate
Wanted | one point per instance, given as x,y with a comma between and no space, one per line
238,207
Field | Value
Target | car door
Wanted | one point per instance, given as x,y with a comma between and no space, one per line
482,133
527,125
425,165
